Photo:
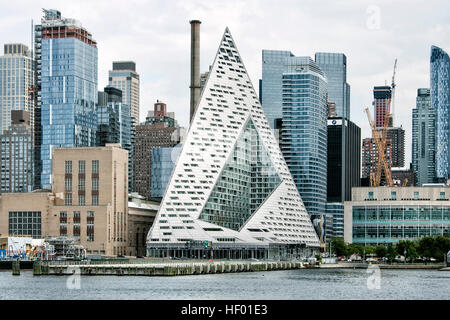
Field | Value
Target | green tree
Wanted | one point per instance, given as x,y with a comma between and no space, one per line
355,249
381,251
391,253
434,247
427,247
370,250
411,248
338,246
319,258
443,246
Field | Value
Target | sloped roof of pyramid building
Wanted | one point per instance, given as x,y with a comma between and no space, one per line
231,183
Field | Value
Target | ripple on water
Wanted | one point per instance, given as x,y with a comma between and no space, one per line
311,284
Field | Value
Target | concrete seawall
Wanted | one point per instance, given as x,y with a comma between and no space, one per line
158,269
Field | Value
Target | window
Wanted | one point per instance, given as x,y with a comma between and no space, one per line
416,195
442,195
76,224
370,195
81,184
81,166
94,184
95,166
67,199
63,223
68,184
81,200
90,226
95,199
25,223
393,195
68,167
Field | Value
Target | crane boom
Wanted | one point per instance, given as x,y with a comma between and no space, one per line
393,85
381,154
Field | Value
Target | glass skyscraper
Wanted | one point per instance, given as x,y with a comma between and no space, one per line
423,138
440,101
273,65
304,130
334,65
294,99
163,163
68,88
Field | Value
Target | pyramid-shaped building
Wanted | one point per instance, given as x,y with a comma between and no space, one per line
231,189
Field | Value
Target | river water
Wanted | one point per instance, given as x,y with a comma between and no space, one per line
310,284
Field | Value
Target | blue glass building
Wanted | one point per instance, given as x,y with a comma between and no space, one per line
304,130
440,101
68,89
334,65
273,65
163,163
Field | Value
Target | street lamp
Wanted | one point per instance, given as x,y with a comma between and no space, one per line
404,253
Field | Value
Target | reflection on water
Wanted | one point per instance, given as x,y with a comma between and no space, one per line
278,285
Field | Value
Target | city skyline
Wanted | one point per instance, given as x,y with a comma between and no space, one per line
370,44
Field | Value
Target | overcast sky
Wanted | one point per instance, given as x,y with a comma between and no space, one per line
156,35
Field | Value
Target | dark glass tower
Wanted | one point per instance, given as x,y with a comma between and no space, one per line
344,161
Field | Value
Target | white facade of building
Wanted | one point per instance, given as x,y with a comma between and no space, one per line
231,183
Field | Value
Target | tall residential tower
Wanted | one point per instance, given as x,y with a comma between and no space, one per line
440,101
67,87
16,83
123,76
423,138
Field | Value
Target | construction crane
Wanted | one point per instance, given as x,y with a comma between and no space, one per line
380,143
393,88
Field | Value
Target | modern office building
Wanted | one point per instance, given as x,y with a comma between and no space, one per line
16,152
115,125
294,99
163,162
273,65
231,187
123,76
423,138
16,83
343,171
304,130
344,161
88,202
67,87
440,101
159,130
386,215
334,65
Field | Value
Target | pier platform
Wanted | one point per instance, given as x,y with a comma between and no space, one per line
158,269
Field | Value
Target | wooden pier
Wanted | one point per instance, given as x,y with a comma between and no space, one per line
159,269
